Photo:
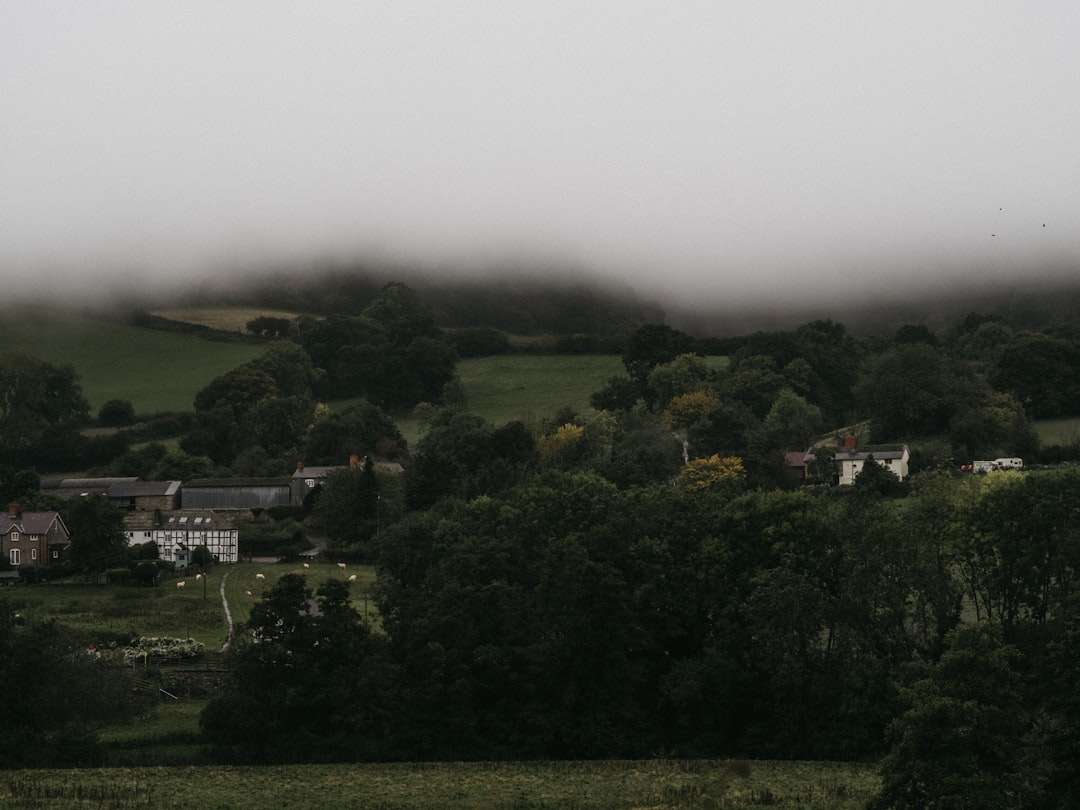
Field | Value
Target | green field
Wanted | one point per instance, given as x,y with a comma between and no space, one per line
157,371
602,785
194,611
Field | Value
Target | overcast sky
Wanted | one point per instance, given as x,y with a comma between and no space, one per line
706,149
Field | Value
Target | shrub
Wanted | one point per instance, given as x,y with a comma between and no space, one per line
117,413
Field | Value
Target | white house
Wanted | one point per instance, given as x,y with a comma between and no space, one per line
178,533
850,462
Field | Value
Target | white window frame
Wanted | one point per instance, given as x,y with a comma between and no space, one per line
16,556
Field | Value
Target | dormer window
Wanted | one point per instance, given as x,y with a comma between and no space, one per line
14,537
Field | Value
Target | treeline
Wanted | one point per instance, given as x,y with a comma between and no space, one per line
574,619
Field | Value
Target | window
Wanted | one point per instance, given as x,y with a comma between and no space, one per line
16,556
33,555
56,555
14,537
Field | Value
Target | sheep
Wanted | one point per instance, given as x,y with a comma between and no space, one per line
181,584
247,593
260,576
341,565
307,565
352,578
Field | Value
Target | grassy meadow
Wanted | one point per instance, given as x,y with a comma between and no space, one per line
194,611
604,785
157,371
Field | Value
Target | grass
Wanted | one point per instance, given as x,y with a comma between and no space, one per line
156,371
1058,431
603,785
225,319
102,611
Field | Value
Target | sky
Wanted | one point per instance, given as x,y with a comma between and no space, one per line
735,151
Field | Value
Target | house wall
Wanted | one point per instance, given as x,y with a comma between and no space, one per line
30,547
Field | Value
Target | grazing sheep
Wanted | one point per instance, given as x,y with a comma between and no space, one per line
341,565
307,565
181,584
260,576
247,593
352,578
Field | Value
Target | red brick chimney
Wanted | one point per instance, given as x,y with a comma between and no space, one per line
849,441
13,510
353,461
299,466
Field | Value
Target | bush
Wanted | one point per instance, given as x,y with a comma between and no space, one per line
117,413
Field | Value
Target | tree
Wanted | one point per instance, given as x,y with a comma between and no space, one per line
649,346
97,534
1041,372
712,474
310,681
909,390
35,395
955,747
116,413
64,699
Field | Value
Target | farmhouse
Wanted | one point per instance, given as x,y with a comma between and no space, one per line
32,538
850,460
178,533
891,457
306,480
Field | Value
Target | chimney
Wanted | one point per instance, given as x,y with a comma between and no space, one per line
299,466
849,441
13,510
353,461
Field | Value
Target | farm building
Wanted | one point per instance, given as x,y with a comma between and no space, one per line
32,538
306,480
129,494
235,493
178,533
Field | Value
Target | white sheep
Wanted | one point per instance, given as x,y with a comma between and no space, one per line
247,593
260,576
181,584
352,578
341,565
307,565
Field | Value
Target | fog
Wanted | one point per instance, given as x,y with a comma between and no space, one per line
739,153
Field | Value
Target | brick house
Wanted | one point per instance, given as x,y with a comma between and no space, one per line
32,538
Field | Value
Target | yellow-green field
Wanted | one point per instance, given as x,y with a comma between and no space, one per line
225,319
603,785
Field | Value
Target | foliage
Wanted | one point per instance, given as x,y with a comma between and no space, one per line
34,397
59,698
956,745
307,682
712,474
97,534
117,413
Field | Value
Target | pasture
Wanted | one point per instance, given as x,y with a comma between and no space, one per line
604,785
157,371
99,612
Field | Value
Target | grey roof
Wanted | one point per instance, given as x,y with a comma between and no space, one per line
146,521
878,452
237,482
29,522
143,489
95,484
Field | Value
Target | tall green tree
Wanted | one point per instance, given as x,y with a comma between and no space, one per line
309,681
97,534
957,745
35,395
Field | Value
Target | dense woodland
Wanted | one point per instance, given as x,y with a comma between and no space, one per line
647,578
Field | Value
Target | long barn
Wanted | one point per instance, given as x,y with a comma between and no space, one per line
235,493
